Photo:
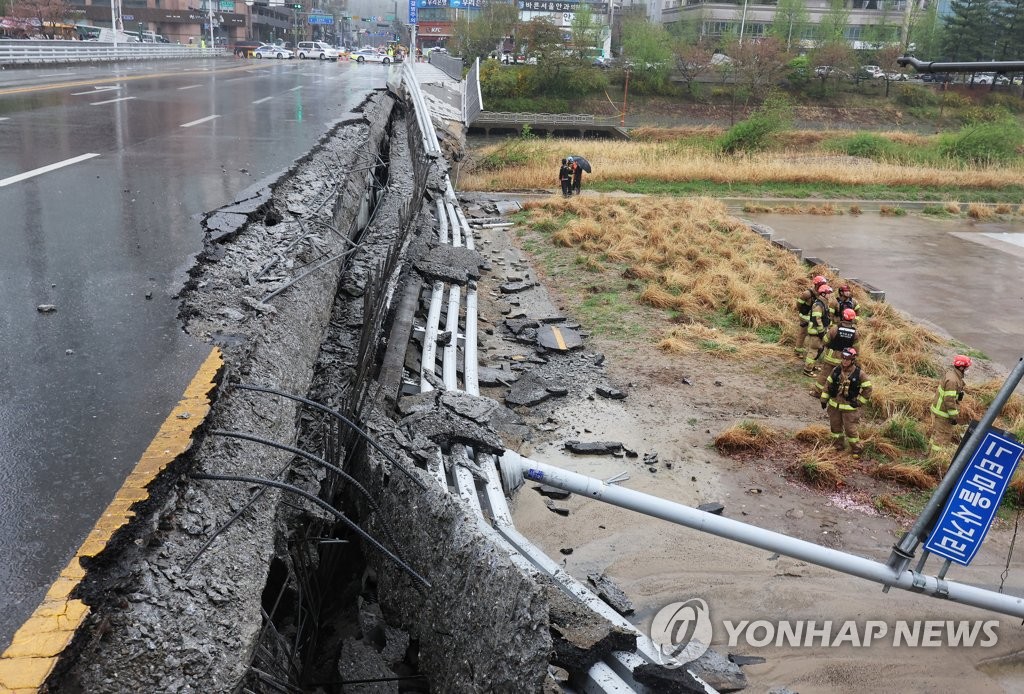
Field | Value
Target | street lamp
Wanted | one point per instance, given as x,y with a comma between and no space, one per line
743,21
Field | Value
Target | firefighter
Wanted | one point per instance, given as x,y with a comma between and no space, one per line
847,388
840,336
946,409
817,328
844,300
803,309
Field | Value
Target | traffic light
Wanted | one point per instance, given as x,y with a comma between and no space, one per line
296,6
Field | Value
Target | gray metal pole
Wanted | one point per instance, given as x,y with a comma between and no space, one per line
904,551
759,537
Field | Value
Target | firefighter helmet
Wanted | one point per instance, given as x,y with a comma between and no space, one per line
819,280
845,289
849,314
961,361
850,353
824,289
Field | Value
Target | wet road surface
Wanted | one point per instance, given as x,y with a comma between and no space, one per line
960,275
102,185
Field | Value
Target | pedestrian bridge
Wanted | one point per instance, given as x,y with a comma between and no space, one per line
582,125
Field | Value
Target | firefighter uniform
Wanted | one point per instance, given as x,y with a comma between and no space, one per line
840,336
847,388
817,329
946,408
803,309
844,300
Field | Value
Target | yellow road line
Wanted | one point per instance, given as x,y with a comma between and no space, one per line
38,644
109,80
559,340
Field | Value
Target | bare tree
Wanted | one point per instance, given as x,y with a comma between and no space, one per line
693,60
759,65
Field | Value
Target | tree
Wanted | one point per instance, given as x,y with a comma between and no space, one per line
586,32
838,57
692,60
1008,18
758,65
543,40
45,14
477,34
647,48
924,35
791,20
886,58
968,31
832,27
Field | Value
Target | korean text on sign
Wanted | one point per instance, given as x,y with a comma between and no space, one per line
972,505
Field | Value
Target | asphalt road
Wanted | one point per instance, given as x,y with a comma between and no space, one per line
105,173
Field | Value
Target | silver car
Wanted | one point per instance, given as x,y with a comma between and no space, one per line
270,51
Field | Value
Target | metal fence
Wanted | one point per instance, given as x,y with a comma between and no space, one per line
472,100
447,64
41,52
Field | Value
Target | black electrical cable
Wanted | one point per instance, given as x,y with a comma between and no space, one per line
340,417
324,505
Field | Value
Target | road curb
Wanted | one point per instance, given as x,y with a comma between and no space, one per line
40,641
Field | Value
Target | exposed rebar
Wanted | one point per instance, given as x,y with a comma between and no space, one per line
324,505
340,417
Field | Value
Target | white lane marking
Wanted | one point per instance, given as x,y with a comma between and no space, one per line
58,74
197,122
97,90
295,89
191,86
4,118
46,169
112,101
260,101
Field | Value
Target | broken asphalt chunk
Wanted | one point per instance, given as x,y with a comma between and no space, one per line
552,492
712,507
593,447
611,593
515,287
610,393
558,337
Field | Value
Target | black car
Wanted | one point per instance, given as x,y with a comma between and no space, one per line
936,77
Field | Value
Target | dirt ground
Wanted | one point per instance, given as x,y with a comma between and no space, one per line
657,563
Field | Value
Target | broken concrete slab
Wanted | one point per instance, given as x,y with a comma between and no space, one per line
552,492
712,507
742,660
665,681
580,636
518,325
475,407
506,207
558,338
593,447
611,593
490,377
718,671
516,287
531,389
446,263
560,510
224,225
446,428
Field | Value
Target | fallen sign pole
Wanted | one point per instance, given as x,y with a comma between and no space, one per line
516,467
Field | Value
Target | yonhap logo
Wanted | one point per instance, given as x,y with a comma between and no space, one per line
682,632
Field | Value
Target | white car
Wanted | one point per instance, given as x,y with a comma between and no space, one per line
316,49
270,51
989,78
369,55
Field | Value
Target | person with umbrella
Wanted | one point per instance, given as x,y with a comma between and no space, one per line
578,165
565,178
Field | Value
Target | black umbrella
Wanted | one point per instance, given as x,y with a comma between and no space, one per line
584,164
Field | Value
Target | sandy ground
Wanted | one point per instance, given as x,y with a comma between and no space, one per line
657,563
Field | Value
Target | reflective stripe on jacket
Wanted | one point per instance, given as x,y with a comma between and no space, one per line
819,319
947,405
840,337
846,390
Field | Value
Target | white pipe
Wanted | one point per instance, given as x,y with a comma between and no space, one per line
765,539
449,370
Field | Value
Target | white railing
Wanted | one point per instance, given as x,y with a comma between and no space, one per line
39,52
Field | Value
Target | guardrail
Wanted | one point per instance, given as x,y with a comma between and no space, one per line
504,117
42,52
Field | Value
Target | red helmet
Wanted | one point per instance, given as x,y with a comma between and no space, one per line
845,289
849,314
850,353
819,280
961,361
824,289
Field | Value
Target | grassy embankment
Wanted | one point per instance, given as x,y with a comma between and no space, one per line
949,170
681,273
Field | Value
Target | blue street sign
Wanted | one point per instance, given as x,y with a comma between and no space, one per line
972,505
320,19
412,12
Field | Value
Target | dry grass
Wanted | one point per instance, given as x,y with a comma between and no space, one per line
746,436
951,207
815,434
822,467
904,473
664,158
976,211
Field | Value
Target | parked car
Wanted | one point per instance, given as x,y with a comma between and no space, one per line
316,49
895,76
369,55
269,51
936,77
872,71
990,77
